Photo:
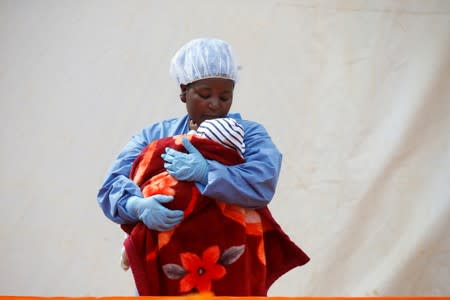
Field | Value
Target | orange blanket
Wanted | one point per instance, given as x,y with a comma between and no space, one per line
220,248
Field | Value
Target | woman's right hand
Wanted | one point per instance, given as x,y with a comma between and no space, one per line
152,213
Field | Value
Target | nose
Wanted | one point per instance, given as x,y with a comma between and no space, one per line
213,103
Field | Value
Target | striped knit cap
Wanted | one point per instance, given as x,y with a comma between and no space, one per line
225,131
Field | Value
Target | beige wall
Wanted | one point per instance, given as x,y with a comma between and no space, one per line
356,94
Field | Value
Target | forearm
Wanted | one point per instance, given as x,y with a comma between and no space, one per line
247,186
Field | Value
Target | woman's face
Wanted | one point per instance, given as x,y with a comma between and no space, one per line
208,98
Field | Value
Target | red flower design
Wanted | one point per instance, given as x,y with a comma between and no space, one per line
200,272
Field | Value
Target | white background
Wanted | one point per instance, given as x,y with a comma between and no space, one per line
356,94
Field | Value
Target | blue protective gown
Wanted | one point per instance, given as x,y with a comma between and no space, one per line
251,184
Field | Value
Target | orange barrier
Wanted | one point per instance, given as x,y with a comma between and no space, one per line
211,297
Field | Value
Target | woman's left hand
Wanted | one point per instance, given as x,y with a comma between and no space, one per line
191,166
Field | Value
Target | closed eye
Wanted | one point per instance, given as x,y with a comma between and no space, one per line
204,96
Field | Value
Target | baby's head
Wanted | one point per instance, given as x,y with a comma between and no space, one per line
225,131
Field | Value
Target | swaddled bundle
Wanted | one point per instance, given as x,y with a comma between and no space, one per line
217,247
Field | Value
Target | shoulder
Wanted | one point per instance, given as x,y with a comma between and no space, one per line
252,128
249,126
163,123
256,138
254,133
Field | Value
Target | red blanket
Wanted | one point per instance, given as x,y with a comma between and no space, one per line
225,249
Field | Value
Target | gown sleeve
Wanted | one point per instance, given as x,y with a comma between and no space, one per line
117,187
251,184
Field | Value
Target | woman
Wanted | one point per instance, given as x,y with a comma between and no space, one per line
206,71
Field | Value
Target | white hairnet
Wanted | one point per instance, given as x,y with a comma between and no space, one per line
203,58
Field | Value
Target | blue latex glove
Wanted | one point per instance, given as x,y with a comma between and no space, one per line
191,166
152,213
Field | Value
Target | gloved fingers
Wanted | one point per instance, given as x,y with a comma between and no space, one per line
165,227
172,222
166,224
162,198
160,222
177,171
173,152
166,213
153,226
167,157
189,147
170,168
174,214
171,173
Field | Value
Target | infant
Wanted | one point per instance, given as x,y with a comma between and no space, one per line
225,131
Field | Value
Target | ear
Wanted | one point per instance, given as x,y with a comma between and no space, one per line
183,88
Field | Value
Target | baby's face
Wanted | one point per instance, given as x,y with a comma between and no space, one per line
209,98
